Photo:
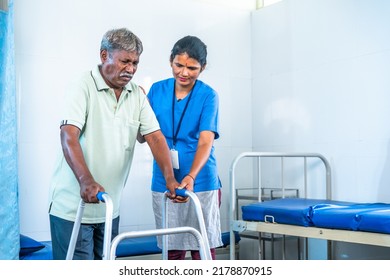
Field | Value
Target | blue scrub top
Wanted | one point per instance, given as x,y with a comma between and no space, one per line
201,114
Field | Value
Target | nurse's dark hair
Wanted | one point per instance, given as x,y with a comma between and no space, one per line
192,46
121,39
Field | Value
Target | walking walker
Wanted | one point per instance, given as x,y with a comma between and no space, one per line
204,248
109,248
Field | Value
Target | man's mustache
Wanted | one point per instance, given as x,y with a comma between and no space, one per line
127,75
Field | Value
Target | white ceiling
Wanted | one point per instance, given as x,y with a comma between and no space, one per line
239,4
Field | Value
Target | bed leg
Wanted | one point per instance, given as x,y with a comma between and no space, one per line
261,248
299,248
330,250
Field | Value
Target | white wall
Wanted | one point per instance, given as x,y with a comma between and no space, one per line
57,40
321,84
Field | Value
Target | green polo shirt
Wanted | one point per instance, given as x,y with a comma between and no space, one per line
108,135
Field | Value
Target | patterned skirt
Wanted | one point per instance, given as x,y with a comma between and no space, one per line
184,214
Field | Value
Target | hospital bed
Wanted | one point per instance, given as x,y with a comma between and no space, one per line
311,214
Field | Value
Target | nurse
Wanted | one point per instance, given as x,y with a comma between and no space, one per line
187,111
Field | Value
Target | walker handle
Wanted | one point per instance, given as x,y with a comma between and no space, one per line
181,192
100,195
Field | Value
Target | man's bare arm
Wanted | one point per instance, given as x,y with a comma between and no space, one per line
75,158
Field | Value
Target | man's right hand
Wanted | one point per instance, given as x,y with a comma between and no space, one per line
88,192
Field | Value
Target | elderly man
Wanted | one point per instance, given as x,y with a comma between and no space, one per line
105,113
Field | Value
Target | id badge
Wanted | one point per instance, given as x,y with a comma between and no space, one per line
175,158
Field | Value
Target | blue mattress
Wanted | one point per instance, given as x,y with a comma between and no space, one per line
372,217
375,221
138,246
293,211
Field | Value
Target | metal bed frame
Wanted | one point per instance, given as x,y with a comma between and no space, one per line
237,225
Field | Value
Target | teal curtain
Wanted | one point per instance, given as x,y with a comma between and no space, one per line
9,207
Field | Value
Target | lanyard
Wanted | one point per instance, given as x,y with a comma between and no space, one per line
174,135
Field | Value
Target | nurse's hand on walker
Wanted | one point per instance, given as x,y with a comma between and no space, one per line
188,184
